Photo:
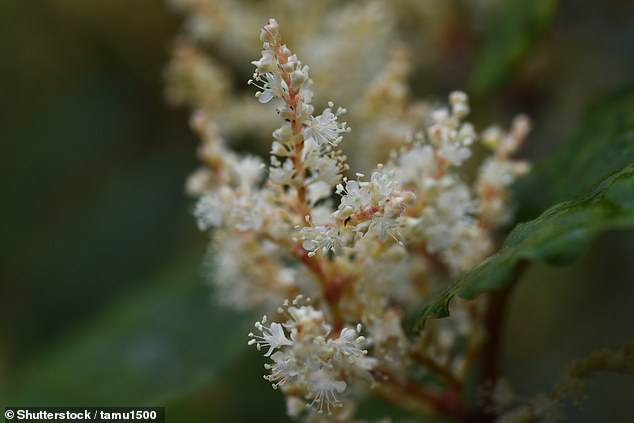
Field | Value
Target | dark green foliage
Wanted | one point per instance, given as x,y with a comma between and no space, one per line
153,346
515,29
603,144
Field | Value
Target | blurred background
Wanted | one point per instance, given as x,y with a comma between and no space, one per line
102,301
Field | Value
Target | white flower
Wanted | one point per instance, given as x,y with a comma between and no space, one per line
415,164
459,104
318,190
359,195
306,317
324,163
239,279
270,32
454,151
211,209
321,388
283,135
284,368
325,128
267,63
354,194
247,212
271,84
501,173
300,79
455,202
491,137
273,336
449,134
199,182
349,344
249,170
384,226
281,174
383,183
321,238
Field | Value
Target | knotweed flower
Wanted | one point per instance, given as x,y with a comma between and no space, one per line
366,250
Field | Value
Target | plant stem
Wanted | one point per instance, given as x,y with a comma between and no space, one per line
491,351
494,320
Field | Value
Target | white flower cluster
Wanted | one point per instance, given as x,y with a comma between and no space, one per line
212,51
312,360
304,151
367,250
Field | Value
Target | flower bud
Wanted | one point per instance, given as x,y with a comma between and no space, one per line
270,32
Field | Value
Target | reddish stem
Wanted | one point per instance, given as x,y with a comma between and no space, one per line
444,403
332,287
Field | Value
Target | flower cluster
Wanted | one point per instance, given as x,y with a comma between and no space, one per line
212,50
312,360
305,155
366,250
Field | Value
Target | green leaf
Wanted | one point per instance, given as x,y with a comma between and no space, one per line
603,144
151,347
602,147
515,28
558,236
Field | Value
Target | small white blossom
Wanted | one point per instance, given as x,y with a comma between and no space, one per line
267,63
354,195
198,183
305,316
415,164
321,238
249,170
273,336
322,388
281,174
385,226
318,190
272,86
349,344
246,212
325,128
325,165
211,209
359,195
284,368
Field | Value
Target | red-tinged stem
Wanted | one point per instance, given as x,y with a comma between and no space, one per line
491,351
494,323
332,287
446,403
292,102
444,374
314,265
440,166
